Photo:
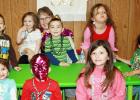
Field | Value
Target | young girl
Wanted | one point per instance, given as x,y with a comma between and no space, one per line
29,37
6,49
100,80
8,89
100,27
135,65
45,15
57,47
40,87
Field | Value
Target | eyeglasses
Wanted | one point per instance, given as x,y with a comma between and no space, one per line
45,18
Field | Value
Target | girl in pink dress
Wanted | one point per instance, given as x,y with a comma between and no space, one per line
100,80
100,27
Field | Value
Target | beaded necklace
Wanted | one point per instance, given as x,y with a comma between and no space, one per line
53,47
37,93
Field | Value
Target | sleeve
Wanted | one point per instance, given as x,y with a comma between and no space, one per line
72,55
57,93
119,87
81,93
52,59
111,39
12,55
73,46
133,57
86,42
25,92
13,91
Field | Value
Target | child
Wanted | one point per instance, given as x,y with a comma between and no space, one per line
6,49
100,27
29,37
57,47
8,89
100,80
45,15
135,65
41,87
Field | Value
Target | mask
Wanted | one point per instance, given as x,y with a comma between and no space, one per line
40,65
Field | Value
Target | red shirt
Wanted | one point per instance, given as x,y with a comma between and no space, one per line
29,90
103,36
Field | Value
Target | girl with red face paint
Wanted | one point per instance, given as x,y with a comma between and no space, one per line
40,87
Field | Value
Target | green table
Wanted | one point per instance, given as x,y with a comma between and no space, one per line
65,76
130,81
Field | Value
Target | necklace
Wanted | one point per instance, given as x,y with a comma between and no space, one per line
37,93
59,52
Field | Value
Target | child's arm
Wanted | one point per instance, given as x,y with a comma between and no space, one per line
26,95
123,60
38,45
81,90
55,61
86,43
13,91
131,73
38,41
12,56
119,87
57,93
20,36
71,54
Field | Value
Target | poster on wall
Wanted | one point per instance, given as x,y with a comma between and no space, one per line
68,10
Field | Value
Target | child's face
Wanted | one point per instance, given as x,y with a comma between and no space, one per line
40,68
28,23
99,56
55,28
100,15
3,72
44,20
2,26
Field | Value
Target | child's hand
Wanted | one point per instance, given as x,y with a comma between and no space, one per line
22,31
63,64
81,62
128,74
17,68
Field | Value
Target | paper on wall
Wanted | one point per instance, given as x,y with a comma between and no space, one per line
68,10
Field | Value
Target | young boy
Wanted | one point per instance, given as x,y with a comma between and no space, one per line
7,52
40,87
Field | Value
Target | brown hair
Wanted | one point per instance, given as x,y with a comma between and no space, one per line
108,68
56,18
93,9
45,10
1,16
35,19
4,62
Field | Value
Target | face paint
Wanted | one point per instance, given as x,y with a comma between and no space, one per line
40,66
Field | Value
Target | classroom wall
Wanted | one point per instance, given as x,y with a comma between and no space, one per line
125,13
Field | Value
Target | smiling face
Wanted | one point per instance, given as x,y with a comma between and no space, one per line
100,15
55,28
99,56
3,71
28,23
2,25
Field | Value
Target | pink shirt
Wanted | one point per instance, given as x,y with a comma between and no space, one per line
87,34
116,92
